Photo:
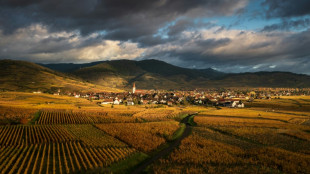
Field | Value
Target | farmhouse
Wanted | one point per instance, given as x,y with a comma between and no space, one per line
117,101
130,103
237,104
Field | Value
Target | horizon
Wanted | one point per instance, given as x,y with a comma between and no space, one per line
167,63
234,37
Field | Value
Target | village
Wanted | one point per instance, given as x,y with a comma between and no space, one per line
235,98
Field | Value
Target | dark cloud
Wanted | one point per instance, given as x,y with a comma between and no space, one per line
212,43
265,52
120,19
18,3
187,24
51,45
236,64
286,11
297,45
260,45
176,31
173,32
286,8
288,25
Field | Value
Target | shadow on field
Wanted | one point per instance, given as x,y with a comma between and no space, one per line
189,122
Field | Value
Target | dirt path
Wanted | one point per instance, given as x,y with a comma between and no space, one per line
167,150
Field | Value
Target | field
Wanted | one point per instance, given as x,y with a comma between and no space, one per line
257,139
57,149
42,133
142,136
286,103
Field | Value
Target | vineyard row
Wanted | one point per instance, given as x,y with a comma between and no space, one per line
16,135
49,117
65,118
68,157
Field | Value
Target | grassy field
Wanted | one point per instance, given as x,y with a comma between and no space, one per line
42,133
259,139
285,103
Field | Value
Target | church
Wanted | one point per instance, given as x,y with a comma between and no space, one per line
137,91
134,88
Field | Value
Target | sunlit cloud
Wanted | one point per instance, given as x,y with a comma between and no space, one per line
37,44
199,34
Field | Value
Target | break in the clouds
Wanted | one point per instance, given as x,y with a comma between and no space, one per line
231,36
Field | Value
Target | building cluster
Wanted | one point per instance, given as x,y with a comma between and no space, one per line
213,97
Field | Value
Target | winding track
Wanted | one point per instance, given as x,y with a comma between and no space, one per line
167,150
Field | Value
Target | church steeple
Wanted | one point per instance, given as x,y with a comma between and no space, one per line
134,88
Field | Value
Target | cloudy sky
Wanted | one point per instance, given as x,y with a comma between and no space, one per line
227,35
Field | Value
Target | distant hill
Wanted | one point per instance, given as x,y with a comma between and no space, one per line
68,67
155,74
264,79
148,74
26,76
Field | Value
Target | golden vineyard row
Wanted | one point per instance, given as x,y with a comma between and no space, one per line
15,135
65,157
34,134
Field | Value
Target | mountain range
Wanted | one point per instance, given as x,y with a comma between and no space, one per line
155,74
118,75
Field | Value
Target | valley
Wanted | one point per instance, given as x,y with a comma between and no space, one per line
78,135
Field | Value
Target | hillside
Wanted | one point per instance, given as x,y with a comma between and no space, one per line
120,74
29,77
148,74
264,79
154,74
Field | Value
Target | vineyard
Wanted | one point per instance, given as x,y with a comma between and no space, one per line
142,136
48,134
111,116
244,143
262,113
73,117
66,141
58,149
157,114
288,136
32,134
92,136
65,118
286,103
68,157
199,154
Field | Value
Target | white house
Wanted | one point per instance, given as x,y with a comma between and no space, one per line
163,101
116,102
154,102
130,103
237,104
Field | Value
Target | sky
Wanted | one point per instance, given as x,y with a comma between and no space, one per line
226,35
